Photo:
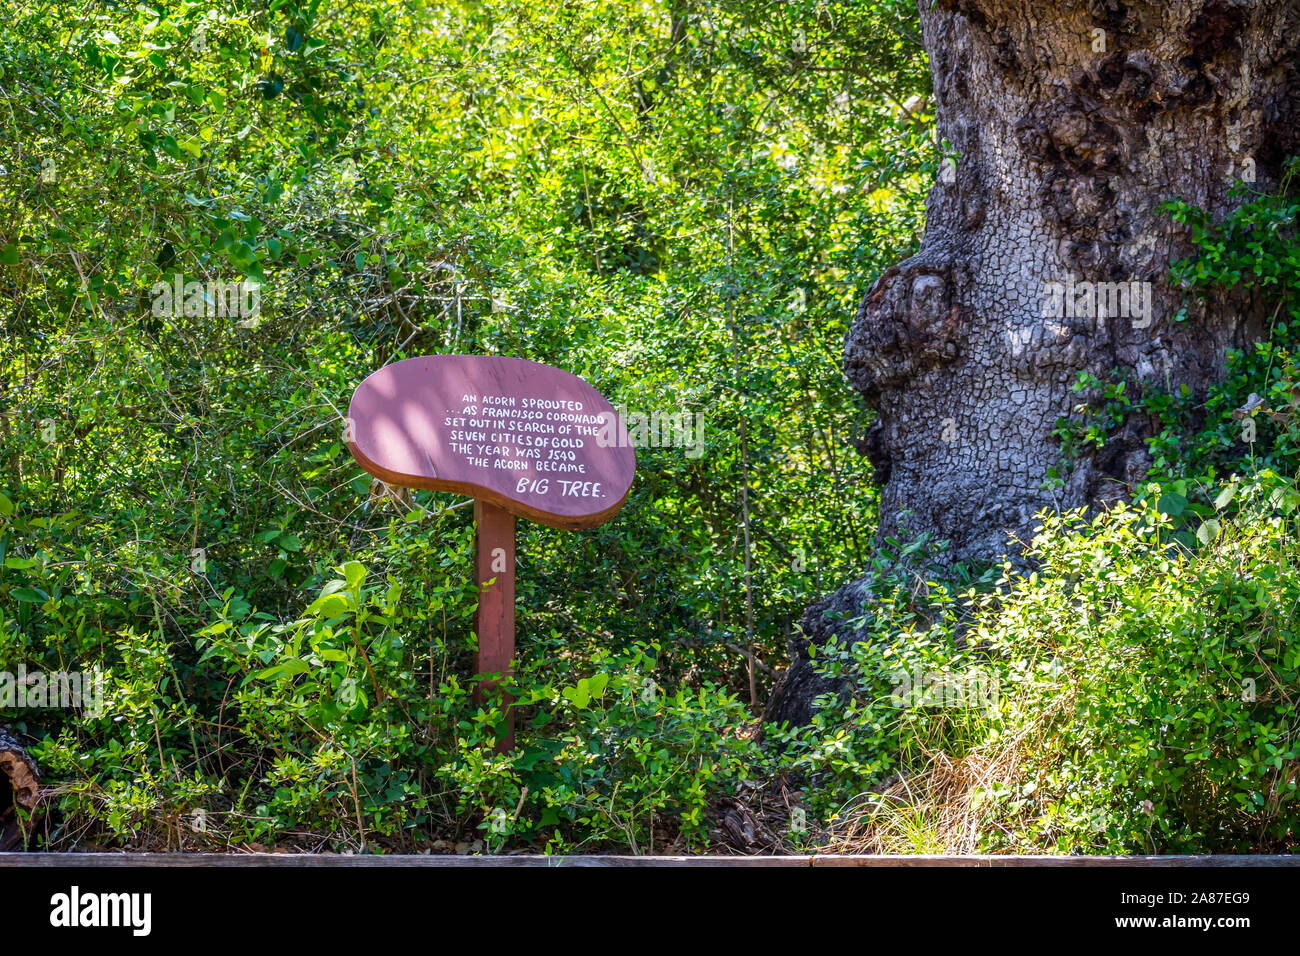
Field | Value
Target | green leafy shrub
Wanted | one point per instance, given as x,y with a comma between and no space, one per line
1133,696
405,178
1247,421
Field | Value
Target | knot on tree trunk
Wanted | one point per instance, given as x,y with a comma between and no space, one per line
909,322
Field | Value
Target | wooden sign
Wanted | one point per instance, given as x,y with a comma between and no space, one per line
520,437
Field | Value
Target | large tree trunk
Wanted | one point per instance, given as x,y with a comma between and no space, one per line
1073,122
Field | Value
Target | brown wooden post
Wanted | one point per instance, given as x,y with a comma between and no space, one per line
494,620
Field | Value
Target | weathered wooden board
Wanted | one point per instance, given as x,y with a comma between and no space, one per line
532,439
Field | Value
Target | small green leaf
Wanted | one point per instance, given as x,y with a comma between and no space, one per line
354,572
329,606
288,669
580,696
335,584
1171,504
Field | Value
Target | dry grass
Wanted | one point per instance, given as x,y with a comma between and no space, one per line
944,808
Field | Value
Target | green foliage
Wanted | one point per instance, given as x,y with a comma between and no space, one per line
1246,422
1129,696
615,760
678,202
1093,422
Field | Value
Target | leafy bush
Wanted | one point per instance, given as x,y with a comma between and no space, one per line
686,230
1246,422
1130,696
352,724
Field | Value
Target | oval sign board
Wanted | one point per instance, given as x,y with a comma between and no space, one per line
532,439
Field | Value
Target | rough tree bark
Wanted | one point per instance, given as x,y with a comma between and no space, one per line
1073,120
18,786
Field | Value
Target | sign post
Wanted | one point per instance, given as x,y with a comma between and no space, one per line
494,619
521,438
